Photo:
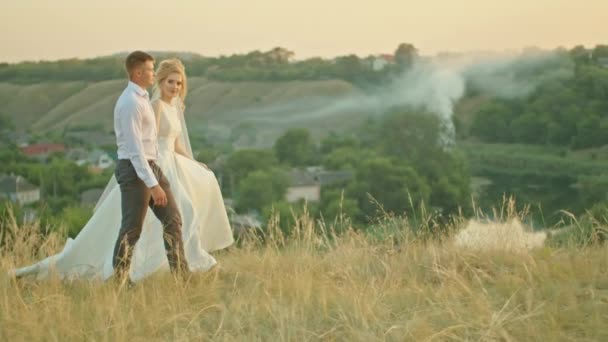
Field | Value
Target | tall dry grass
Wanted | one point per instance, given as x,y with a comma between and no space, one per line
392,285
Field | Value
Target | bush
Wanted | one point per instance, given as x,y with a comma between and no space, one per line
590,229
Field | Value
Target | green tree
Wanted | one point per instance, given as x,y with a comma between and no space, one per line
349,67
73,219
591,132
492,123
242,162
529,128
334,141
407,135
261,188
580,54
405,55
296,148
345,158
390,184
449,179
6,123
336,204
600,51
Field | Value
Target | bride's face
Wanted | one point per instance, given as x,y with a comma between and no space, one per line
172,85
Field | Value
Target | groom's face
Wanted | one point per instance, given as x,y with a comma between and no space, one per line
146,74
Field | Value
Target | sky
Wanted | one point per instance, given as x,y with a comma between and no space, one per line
58,29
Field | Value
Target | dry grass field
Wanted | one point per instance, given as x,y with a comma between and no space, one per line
391,285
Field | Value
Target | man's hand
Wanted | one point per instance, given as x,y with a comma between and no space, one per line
158,196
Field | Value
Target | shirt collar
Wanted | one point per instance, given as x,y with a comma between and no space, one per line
138,90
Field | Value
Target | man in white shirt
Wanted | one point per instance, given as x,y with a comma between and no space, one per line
141,181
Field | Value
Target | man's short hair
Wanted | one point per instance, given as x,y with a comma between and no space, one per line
136,59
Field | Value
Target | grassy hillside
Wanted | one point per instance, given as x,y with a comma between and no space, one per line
91,105
26,104
267,107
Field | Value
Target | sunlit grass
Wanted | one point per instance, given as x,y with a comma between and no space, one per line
393,285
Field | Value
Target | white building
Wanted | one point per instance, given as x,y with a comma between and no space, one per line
306,183
97,158
303,186
18,190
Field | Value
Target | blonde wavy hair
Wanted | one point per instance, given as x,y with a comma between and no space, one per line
168,67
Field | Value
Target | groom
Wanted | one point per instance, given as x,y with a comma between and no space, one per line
141,181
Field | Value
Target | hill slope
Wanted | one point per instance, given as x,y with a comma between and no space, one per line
265,107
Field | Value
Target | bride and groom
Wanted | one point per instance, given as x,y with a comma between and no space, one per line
162,209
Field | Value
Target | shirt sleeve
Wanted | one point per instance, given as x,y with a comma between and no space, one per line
130,116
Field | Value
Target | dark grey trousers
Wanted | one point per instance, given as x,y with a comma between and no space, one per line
136,198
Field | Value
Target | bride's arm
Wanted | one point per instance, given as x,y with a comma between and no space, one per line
156,108
179,148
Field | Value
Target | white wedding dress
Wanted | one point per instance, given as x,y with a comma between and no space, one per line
205,222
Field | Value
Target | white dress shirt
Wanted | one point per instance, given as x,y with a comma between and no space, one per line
135,128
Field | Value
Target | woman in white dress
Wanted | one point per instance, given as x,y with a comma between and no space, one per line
205,222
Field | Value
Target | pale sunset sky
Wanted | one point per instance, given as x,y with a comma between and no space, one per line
56,29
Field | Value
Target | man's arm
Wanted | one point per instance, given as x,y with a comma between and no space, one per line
130,117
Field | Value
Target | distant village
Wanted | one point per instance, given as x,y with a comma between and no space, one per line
305,183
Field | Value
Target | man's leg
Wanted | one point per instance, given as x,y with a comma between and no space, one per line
135,198
171,220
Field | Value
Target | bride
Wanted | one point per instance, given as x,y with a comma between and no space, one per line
197,194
